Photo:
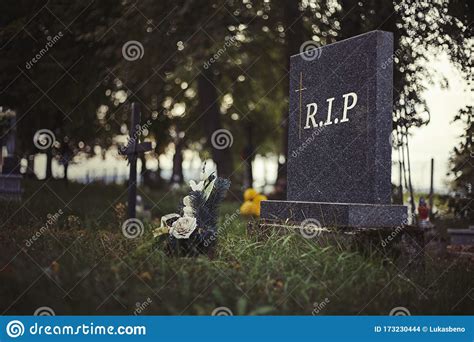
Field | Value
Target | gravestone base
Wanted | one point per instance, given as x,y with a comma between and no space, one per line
403,245
336,214
461,236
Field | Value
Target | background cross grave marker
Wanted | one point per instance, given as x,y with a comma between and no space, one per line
339,163
132,150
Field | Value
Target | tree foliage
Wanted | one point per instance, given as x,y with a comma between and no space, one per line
203,67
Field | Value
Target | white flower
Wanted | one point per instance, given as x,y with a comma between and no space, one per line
187,201
206,184
188,212
164,228
183,227
188,209
196,186
209,188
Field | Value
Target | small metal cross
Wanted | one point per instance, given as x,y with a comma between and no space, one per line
132,150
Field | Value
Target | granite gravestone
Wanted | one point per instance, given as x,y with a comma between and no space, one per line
339,148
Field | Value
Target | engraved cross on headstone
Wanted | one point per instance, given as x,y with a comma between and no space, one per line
300,90
131,150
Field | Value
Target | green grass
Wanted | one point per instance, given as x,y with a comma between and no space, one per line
99,271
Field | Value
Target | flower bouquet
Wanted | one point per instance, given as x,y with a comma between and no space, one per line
193,230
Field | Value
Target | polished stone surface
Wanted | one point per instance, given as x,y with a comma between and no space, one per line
461,236
334,157
336,214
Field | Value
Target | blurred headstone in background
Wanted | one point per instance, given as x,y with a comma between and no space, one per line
10,178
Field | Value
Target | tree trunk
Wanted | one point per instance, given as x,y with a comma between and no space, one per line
410,186
211,119
66,169
30,168
248,156
157,180
49,164
177,176
400,183
296,35
351,24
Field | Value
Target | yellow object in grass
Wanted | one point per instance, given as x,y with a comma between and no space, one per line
257,203
247,208
250,194
259,198
256,209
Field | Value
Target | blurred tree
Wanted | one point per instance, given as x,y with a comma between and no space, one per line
238,56
59,81
422,30
199,68
462,159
